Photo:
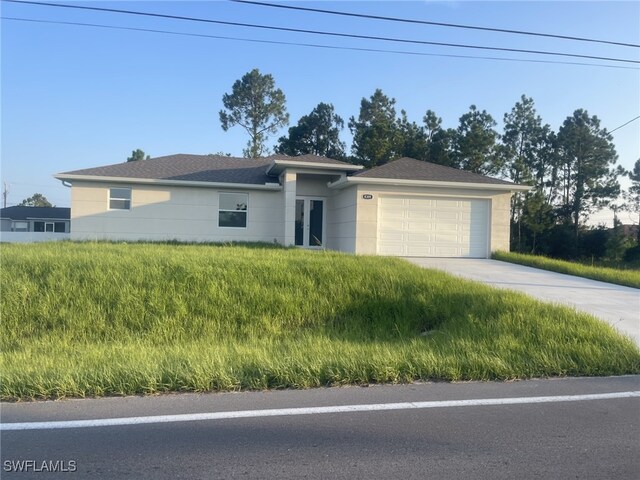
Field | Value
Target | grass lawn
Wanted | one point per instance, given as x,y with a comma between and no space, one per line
629,278
87,319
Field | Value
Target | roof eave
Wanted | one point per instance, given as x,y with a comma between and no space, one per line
347,181
179,183
278,166
35,218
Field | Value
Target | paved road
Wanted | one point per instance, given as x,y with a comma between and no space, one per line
615,304
571,439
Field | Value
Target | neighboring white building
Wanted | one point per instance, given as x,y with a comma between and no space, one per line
34,224
403,208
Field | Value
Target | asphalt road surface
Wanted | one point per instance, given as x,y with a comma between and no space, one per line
543,429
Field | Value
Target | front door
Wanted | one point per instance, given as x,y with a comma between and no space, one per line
310,222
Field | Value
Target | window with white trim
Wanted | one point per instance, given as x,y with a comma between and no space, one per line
232,210
43,226
119,199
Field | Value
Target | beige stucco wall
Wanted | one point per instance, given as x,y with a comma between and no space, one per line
191,213
341,220
500,222
313,186
170,212
367,212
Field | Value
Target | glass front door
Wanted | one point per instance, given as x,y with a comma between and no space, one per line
309,228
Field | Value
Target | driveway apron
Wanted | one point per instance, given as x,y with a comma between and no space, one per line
615,304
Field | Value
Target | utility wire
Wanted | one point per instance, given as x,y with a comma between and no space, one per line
313,45
625,124
317,32
439,24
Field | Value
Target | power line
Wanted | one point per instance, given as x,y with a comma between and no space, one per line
313,45
318,32
625,124
439,24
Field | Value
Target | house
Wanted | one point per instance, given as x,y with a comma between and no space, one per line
35,219
404,208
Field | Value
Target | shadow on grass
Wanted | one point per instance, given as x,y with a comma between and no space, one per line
420,312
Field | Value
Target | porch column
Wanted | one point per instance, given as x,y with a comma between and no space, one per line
289,184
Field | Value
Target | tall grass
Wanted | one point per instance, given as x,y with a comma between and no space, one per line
629,278
86,319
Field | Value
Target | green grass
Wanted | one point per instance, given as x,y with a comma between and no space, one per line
629,278
90,319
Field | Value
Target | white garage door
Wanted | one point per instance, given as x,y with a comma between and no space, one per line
433,227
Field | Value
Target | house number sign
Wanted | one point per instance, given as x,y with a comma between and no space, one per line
367,196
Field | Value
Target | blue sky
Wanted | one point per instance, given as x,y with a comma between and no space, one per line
76,97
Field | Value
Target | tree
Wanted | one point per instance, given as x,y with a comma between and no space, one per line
632,196
475,143
375,132
537,218
439,140
586,175
527,157
37,200
432,123
317,133
617,243
137,155
634,175
413,141
523,140
256,105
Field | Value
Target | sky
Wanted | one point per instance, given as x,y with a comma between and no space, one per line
76,97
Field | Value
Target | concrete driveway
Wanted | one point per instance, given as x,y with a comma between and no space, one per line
615,304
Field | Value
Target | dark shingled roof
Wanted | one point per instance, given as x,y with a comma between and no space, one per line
252,171
196,168
200,168
23,213
411,169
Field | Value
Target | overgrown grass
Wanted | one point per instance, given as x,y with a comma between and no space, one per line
629,278
87,319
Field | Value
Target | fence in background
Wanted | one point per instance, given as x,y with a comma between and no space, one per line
31,237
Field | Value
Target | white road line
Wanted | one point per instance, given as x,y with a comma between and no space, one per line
193,417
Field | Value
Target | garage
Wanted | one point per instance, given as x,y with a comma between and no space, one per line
433,227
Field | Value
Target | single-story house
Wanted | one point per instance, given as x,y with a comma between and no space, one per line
404,208
35,219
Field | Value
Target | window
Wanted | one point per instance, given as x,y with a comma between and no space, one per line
59,227
119,199
43,226
20,227
232,210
